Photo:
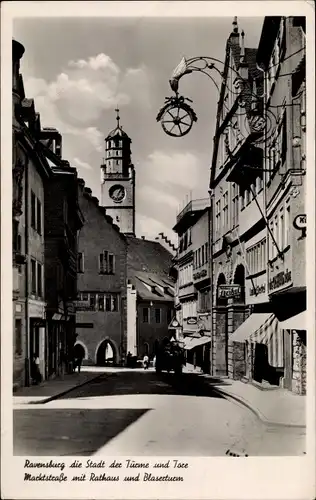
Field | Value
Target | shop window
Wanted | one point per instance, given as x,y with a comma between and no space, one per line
33,277
33,210
158,315
145,315
18,337
80,260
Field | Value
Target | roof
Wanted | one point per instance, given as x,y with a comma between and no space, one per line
118,131
148,266
149,256
150,286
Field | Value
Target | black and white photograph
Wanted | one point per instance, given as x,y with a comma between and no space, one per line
159,237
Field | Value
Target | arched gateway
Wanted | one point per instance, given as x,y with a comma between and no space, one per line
106,353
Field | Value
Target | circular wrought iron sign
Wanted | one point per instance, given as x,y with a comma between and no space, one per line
176,116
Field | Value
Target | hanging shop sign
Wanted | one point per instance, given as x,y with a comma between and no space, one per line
279,280
300,224
229,291
192,320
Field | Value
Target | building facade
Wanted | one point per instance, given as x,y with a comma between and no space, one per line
30,173
63,220
281,56
258,215
101,310
192,262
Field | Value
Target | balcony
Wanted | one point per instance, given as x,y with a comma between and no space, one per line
190,212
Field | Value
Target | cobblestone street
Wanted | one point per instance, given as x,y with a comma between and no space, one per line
139,413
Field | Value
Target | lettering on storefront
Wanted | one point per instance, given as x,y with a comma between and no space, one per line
229,291
83,305
257,290
280,279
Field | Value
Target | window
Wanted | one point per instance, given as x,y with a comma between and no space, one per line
158,315
33,277
225,209
145,315
39,217
218,216
235,205
111,263
39,280
114,303
206,252
101,302
16,237
18,337
33,210
276,234
92,298
242,198
80,261
247,196
120,144
271,244
85,297
259,183
199,257
169,316
263,254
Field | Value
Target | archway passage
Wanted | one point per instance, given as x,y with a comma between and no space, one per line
239,279
106,354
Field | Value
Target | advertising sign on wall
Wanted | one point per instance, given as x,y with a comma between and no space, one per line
229,291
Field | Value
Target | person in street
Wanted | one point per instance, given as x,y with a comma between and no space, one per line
35,370
145,362
78,362
129,359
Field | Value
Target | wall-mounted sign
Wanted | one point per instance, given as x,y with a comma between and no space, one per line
200,274
192,320
300,224
257,290
174,324
229,291
280,280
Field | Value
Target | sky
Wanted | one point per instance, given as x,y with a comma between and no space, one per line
78,70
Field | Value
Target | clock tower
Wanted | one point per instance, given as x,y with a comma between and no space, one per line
118,180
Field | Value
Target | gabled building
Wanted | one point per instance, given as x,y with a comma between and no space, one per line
101,309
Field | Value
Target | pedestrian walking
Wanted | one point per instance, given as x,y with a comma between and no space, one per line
35,370
78,362
145,362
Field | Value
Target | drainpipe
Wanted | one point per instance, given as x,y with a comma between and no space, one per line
27,265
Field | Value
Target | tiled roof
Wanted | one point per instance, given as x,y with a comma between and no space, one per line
117,131
148,256
148,265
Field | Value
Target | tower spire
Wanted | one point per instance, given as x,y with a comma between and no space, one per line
117,117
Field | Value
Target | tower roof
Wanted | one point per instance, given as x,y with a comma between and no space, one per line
118,131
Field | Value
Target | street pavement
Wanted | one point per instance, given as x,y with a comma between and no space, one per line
137,412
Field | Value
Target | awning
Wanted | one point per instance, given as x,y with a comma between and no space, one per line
297,322
263,328
191,342
249,327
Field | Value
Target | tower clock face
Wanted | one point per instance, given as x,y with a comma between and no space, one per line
117,193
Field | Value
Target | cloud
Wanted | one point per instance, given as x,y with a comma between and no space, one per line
81,164
150,193
178,169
